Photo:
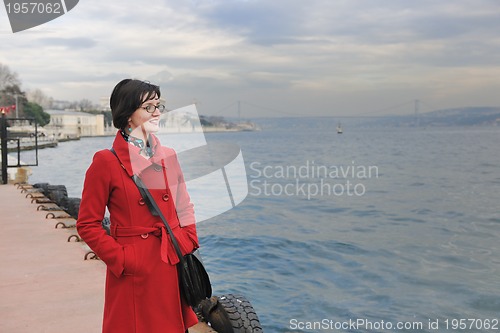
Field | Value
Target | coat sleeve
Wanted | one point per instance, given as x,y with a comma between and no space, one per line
95,195
187,238
185,212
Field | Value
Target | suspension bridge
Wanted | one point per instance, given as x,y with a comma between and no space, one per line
408,108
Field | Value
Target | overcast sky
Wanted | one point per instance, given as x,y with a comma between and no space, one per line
279,57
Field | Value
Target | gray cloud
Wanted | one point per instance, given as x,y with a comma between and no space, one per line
290,52
262,22
70,43
281,21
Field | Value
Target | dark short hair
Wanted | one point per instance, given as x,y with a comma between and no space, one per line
127,96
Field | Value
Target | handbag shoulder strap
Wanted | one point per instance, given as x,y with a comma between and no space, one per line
141,190
154,208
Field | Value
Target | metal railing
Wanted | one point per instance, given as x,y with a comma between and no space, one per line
5,138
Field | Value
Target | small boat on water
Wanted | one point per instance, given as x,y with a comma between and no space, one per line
339,129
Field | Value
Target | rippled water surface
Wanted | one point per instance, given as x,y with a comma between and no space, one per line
418,240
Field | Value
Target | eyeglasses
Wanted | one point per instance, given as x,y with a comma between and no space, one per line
150,108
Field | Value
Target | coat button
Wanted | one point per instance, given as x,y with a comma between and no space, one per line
142,202
144,236
157,168
165,197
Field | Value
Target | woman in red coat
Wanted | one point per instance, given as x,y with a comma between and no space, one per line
141,293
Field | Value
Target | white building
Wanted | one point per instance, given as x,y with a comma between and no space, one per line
72,124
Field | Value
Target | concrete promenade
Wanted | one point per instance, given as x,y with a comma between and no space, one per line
45,284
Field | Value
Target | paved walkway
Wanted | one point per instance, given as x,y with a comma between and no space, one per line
45,285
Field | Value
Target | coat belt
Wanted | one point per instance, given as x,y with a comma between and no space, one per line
167,250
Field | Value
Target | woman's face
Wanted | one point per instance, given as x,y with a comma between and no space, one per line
143,120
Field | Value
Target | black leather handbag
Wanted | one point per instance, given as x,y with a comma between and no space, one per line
194,283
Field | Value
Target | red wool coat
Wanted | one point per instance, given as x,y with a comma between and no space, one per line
141,292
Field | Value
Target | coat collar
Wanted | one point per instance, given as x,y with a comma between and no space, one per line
131,159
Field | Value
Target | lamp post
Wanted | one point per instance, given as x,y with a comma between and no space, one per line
3,133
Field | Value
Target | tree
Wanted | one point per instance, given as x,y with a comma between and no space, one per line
85,105
216,120
9,94
7,78
37,96
34,110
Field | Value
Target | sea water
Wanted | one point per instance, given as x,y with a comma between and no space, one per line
377,229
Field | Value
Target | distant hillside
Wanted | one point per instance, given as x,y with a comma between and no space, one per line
216,122
462,116
467,116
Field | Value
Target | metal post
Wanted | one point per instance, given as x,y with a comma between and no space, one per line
18,153
36,142
3,129
17,106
